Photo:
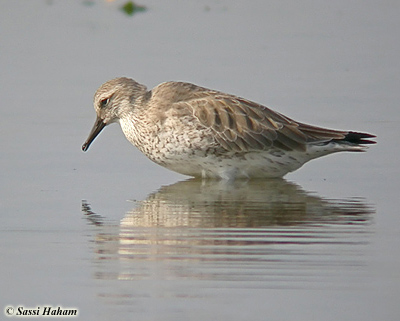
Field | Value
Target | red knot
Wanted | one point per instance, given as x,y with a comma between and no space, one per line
205,133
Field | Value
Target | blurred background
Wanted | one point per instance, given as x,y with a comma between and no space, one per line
68,234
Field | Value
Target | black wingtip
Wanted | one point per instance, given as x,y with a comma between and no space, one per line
359,138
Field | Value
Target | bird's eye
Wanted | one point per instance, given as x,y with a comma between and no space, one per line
104,102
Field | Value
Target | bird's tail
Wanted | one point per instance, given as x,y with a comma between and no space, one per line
353,142
358,138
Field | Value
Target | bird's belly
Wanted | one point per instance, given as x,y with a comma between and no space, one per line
230,166
200,156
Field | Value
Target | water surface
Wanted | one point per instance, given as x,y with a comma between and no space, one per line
193,239
120,238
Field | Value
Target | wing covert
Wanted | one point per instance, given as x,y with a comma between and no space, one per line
241,125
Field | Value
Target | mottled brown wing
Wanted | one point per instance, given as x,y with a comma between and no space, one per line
241,125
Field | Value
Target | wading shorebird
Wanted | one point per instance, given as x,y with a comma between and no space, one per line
205,133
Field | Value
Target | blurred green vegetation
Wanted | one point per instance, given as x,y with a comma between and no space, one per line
130,8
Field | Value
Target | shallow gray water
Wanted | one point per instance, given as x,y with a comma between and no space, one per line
119,238
266,235
193,243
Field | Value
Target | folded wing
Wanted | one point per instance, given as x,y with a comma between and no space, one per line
241,125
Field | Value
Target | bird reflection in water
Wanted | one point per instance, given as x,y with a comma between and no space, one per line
267,228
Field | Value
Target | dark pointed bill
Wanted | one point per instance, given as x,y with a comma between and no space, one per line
97,128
